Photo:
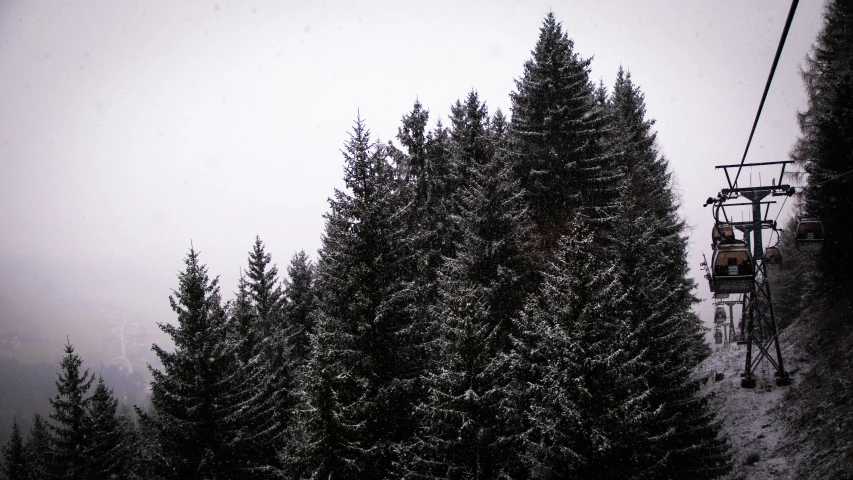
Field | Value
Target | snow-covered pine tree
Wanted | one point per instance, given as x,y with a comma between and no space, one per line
265,291
149,462
555,132
38,450
468,429
15,466
110,449
576,355
242,322
469,122
365,368
252,414
325,441
412,135
269,382
428,175
301,303
193,396
429,234
70,430
825,149
647,193
681,437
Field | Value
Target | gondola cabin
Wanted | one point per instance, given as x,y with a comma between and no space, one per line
733,268
772,256
722,233
721,295
718,336
720,315
809,235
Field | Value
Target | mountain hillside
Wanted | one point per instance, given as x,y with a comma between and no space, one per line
801,431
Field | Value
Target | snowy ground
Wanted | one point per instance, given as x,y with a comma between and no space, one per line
754,419
804,430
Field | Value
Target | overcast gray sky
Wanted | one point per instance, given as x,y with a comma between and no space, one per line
128,129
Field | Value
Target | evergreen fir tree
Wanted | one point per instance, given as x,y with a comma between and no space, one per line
647,196
258,413
651,248
268,399
38,450
469,145
436,203
429,233
325,438
109,452
467,428
366,362
683,437
265,290
413,136
70,430
576,354
15,465
429,166
469,122
825,149
242,322
192,417
149,462
301,303
556,146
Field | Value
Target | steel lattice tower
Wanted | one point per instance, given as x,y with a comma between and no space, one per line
761,335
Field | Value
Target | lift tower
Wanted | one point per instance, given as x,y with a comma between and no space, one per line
762,335
731,304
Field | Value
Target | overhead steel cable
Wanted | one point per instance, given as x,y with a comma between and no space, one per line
767,86
832,178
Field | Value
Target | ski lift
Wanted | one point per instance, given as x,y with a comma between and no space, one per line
720,315
773,256
733,268
809,235
721,295
718,336
722,233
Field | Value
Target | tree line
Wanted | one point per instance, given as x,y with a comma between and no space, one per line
824,150
494,298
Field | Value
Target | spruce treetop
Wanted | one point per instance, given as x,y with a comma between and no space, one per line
70,430
359,168
557,128
72,386
469,125
196,301
412,135
264,288
14,458
38,448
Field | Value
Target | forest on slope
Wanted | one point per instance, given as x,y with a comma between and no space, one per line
490,301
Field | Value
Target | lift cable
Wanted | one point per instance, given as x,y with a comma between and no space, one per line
832,178
778,237
767,86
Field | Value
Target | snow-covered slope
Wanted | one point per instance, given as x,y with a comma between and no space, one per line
800,431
